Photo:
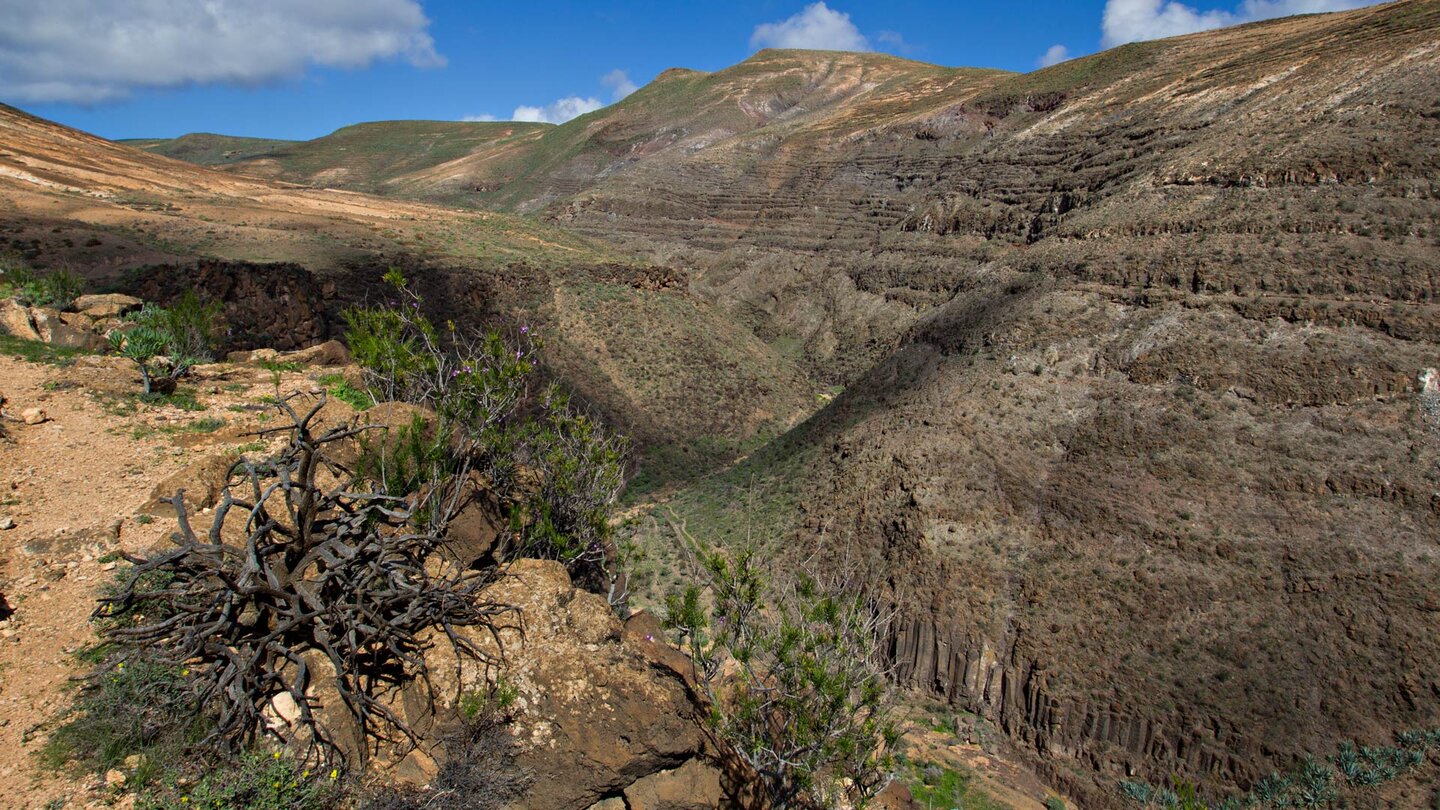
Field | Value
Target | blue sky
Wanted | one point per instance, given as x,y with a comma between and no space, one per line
302,68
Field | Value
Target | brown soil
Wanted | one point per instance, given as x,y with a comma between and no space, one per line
73,485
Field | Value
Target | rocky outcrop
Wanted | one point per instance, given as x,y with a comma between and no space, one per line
598,715
202,481
65,330
276,306
108,305
595,714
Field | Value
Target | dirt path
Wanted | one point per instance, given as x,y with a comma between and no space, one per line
72,486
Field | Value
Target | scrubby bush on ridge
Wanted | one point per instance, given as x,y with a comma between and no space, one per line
559,468
804,700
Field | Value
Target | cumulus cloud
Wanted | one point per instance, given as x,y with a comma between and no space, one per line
474,119
817,27
89,51
1135,20
618,81
557,112
1054,56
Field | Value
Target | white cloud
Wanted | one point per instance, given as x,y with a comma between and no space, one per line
1135,20
616,81
473,119
619,83
817,27
557,112
1054,56
89,51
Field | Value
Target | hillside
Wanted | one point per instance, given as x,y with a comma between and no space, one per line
1140,459
688,385
384,157
207,149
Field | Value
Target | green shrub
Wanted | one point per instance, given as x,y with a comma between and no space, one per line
57,289
405,458
135,705
256,781
166,342
805,703
558,466
581,471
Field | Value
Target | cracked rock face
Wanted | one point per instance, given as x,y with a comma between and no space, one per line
594,714
600,714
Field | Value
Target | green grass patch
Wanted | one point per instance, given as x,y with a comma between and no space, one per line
182,398
340,388
136,707
209,424
937,786
258,781
33,351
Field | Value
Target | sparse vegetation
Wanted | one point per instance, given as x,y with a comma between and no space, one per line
33,351
258,780
1311,783
935,787
57,289
141,706
793,670
166,342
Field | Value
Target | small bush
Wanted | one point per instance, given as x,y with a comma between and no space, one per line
166,342
257,781
804,700
57,289
133,705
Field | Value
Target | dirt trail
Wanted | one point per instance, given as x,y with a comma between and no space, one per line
72,486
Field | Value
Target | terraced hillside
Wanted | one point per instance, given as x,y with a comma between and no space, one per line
1143,457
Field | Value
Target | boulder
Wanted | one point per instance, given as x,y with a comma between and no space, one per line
15,320
79,320
329,353
34,416
53,329
109,305
475,533
592,716
692,786
203,481
251,356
